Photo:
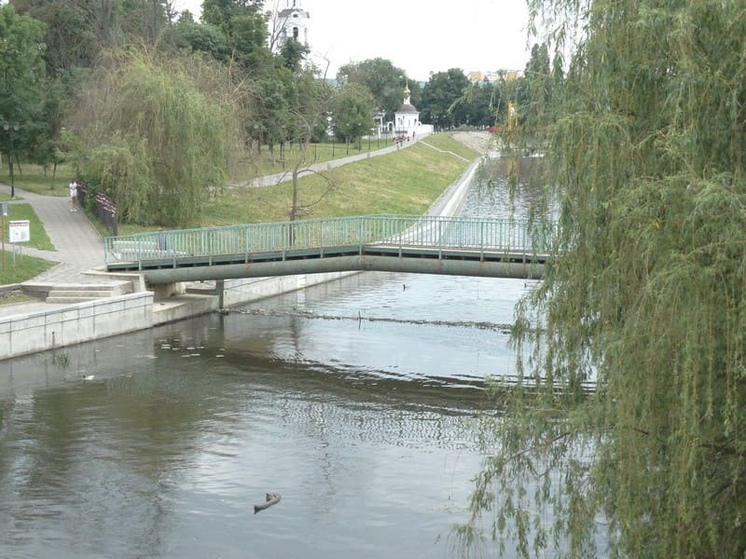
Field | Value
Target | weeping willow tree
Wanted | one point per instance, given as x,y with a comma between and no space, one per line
645,295
157,133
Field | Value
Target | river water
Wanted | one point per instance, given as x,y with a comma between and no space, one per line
355,400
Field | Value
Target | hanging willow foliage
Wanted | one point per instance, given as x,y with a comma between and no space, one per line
159,134
645,295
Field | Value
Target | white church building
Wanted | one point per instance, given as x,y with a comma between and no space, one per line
293,22
406,123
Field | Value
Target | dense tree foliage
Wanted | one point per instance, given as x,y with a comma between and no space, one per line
21,64
244,25
645,296
293,54
353,113
22,79
438,98
479,104
69,38
385,82
199,38
156,133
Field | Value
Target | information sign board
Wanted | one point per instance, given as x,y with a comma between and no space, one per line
20,231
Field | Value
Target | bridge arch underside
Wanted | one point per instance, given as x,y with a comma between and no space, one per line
416,260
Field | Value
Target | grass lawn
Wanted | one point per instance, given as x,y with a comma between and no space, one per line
14,297
24,269
39,237
34,178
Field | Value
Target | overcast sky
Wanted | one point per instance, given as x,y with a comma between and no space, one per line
419,36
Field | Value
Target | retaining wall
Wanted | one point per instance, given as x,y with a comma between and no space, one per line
75,323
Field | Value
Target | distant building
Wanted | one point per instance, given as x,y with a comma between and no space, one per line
492,77
293,22
475,77
511,75
407,118
406,123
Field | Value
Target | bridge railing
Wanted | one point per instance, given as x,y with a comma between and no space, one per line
392,230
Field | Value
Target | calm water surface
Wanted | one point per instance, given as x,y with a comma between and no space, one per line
355,400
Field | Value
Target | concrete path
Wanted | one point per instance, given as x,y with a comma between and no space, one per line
79,246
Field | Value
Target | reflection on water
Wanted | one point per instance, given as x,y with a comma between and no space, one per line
355,400
165,453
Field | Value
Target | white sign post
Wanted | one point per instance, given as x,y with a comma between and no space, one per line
19,232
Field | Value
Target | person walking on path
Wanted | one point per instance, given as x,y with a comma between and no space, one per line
73,194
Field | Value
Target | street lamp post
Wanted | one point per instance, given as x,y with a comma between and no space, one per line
11,129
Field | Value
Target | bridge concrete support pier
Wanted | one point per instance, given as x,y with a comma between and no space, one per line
163,291
220,292
203,288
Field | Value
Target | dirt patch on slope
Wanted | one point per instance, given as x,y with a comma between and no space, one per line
480,141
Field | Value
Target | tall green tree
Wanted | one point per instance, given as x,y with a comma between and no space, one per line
157,133
385,82
22,78
479,104
223,12
245,27
353,113
293,53
22,69
439,95
535,89
644,294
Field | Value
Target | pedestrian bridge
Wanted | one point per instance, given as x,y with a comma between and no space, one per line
390,243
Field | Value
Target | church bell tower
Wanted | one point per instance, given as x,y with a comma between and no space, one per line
293,22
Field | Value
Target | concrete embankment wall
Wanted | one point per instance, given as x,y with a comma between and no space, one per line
79,322
237,292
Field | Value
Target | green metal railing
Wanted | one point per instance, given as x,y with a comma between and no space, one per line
390,230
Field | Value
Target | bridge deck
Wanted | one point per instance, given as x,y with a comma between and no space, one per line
460,246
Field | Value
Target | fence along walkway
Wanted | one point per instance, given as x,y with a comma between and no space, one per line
361,242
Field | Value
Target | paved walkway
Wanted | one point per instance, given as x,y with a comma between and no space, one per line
79,245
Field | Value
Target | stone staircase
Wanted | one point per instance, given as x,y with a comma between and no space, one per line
81,292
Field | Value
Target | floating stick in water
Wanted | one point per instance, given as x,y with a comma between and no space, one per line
272,499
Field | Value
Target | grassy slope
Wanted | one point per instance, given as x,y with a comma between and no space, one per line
404,182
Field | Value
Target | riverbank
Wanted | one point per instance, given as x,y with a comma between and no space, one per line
36,326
